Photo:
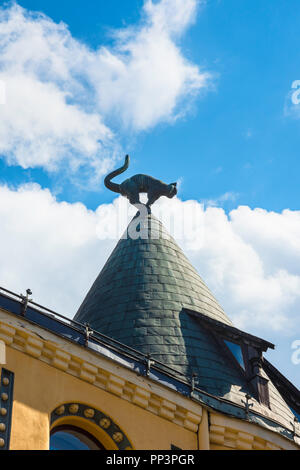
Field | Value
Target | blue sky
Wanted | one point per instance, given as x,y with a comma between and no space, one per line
219,118
236,137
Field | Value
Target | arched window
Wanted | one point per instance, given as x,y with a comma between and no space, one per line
67,437
79,426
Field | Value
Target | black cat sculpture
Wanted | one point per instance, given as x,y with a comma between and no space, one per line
132,187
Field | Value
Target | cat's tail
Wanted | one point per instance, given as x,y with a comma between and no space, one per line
114,186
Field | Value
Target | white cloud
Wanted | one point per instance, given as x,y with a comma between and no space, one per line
249,259
48,246
42,121
146,74
60,94
171,15
38,127
229,196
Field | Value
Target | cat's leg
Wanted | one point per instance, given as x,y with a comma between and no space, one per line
151,200
134,199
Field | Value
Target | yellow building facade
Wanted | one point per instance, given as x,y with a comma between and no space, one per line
57,383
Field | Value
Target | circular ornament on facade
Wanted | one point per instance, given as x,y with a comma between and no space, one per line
2,427
89,412
73,408
4,396
2,442
117,437
104,423
3,411
60,410
5,381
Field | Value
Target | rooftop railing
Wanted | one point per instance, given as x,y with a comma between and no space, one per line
87,334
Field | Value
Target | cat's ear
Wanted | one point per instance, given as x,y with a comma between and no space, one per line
174,184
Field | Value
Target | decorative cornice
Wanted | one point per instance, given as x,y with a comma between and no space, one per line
99,371
227,437
226,432
107,375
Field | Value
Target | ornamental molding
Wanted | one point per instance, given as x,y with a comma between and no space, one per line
228,432
95,416
99,371
116,379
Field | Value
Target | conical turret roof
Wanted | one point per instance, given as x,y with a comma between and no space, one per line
147,276
139,299
143,297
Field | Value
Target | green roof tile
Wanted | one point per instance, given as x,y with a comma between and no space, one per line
144,286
